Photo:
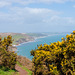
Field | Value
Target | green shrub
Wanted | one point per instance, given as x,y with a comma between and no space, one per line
58,58
7,57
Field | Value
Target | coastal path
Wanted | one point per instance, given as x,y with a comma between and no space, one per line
20,70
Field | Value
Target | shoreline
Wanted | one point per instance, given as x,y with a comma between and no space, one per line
35,38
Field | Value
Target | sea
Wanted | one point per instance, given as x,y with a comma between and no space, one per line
25,48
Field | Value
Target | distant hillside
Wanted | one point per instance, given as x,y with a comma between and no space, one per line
18,37
37,34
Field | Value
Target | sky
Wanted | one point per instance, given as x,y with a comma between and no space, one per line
37,16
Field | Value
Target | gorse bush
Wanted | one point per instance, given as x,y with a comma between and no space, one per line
7,57
58,58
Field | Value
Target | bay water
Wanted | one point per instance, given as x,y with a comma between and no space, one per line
25,48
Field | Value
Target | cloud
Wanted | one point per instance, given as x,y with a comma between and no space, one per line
4,3
34,11
53,1
57,20
25,16
26,2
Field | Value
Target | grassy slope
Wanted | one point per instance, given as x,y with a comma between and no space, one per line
17,37
9,72
13,72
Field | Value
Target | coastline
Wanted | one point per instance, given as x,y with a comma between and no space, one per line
35,38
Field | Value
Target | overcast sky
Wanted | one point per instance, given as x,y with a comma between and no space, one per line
37,16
